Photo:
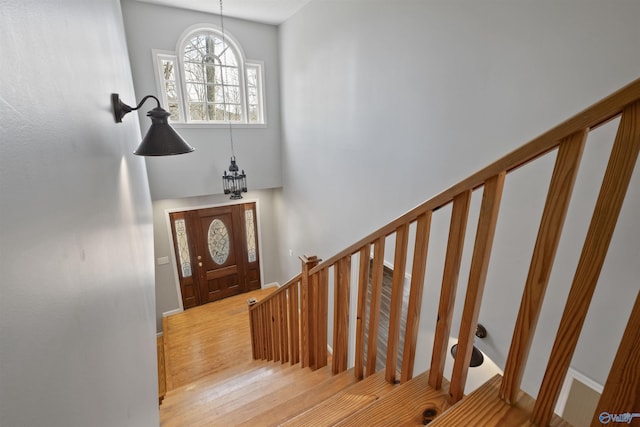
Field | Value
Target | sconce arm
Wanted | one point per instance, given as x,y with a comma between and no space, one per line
120,109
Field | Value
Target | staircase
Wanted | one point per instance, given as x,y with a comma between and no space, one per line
293,381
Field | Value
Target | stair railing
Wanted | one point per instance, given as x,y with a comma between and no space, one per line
568,140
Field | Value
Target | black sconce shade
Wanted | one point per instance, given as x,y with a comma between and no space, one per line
161,139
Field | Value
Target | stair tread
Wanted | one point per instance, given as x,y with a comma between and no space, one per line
403,406
483,407
297,401
254,407
345,403
229,402
219,392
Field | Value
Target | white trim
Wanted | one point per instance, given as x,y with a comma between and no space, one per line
209,125
174,266
271,285
172,260
172,312
157,56
261,85
196,28
572,375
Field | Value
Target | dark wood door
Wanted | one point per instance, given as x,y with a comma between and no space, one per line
216,253
221,265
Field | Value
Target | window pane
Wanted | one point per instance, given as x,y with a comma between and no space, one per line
211,93
229,58
193,72
253,114
233,112
252,77
171,90
183,248
232,94
216,112
168,70
253,96
196,111
211,73
231,76
218,242
251,235
174,110
195,92
195,48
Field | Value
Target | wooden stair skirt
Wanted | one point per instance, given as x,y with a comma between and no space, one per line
291,325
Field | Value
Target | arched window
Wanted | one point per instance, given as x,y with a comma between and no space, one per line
209,80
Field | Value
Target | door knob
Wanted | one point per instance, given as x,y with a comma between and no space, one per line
199,257
199,264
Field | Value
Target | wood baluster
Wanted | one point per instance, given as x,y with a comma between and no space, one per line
478,273
294,316
321,287
342,278
395,310
374,306
277,339
363,283
272,349
284,328
252,332
605,216
418,270
621,392
306,308
455,245
264,333
555,210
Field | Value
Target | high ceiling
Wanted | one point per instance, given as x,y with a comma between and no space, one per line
266,11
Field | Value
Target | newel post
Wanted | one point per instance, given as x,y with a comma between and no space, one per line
307,321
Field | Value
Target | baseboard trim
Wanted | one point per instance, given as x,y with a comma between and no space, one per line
572,375
271,285
172,312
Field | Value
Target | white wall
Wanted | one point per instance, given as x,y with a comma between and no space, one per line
168,297
151,26
77,336
387,103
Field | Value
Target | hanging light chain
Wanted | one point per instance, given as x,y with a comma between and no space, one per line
227,115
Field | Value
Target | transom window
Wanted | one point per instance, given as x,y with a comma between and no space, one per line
209,81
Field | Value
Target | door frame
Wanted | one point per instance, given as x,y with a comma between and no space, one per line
174,265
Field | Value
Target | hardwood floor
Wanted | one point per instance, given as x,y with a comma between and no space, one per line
213,381
209,339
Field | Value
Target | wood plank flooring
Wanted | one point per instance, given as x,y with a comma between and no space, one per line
209,339
213,380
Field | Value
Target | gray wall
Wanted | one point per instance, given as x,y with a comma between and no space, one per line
167,295
387,103
257,148
77,336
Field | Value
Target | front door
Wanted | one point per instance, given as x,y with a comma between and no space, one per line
223,250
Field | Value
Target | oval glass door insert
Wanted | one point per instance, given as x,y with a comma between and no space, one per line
218,239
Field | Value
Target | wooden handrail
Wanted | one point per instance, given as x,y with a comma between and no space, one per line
569,138
293,281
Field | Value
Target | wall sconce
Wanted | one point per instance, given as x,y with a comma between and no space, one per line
476,355
161,139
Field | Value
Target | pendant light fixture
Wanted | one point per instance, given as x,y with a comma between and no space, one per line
234,182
